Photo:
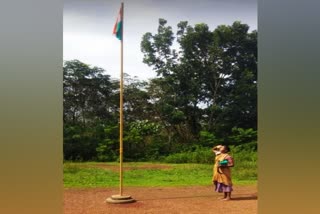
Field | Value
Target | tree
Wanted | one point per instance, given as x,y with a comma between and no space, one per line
88,101
239,94
210,83
86,93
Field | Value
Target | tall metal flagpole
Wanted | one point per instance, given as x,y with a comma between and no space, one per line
121,105
119,199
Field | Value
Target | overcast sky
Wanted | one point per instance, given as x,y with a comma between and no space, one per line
88,25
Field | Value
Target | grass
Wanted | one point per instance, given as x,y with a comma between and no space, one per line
88,174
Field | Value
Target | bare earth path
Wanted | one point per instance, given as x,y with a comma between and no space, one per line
165,200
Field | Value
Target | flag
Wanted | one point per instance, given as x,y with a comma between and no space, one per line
117,29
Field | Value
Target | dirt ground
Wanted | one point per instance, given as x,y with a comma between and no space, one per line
166,200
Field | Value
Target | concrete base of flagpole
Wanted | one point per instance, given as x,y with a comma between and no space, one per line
120,199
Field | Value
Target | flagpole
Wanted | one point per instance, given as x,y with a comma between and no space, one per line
121,105
120,199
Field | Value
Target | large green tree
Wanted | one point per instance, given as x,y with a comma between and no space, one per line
88,93
88,101
209,82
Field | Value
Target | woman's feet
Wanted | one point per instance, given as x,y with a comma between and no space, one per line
227,196
226,199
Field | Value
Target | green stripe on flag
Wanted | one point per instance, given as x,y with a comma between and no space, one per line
119,30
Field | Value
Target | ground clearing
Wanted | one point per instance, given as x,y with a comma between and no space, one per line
165,200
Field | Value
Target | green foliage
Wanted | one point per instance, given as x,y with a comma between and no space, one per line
205,94
252,147
215,69
240,136
205,155
85,90
77,138
106,149
145,127
245,164
208,139
200,155
245,157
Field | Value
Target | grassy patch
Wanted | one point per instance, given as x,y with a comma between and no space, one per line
90,174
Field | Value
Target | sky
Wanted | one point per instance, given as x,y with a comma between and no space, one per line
88,25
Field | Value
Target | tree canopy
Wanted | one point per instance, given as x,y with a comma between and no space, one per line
205,93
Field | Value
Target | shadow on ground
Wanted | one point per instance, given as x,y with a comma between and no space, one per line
234,198
253,197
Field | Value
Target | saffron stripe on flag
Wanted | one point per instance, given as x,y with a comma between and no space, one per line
117,29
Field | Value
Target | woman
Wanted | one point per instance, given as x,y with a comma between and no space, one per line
222,172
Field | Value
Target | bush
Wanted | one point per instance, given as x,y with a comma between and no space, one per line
208,139
200,155
245,157
252,146
240,136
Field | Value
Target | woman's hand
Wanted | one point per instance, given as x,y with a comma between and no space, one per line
230,162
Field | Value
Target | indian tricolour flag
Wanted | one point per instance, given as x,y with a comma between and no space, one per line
117,29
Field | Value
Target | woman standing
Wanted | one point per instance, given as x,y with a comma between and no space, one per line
222,171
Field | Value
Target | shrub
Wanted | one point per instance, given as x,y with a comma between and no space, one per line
241,136
245,157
